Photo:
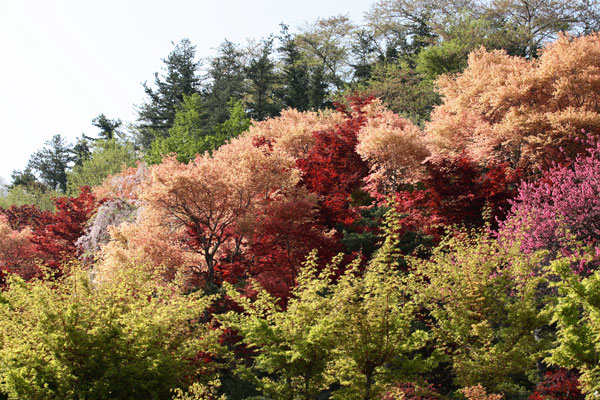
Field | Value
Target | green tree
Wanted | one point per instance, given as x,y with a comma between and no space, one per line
226,81
376,317
293,346
237,123
294,72
109,128
405,91
299,350
180,77
577,317
108,157
25,188
187,136
52,163
486,311
262,82
75,338
36,195
536,22
326,44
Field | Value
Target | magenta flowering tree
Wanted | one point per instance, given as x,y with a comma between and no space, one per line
561,211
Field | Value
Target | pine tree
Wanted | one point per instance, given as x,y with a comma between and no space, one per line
180,77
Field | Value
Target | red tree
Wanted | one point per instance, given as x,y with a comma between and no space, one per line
558,385
332,169
54,235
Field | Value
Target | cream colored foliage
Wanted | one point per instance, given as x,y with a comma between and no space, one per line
504,108
147,242
393,146
292,131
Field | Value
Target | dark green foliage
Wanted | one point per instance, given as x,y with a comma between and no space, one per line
52,163
262,82
226,74
294,73
108,127
180,77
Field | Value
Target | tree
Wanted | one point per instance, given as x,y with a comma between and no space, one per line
35,195
262,81
537,22
295,72
17,253
107,157
237,123
577,317
402,28
485,311
186,137
180,78
504,108
559,384
327,46
375,314
226,81
332,168
52,163
55,237
293,346
108,127
81,150
78,338
213,197
298,352
393,147
402,90
560,209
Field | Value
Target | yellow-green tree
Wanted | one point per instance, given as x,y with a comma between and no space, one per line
354,335
577,317
74,338
484,300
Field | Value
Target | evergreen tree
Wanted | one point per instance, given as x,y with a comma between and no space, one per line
108,127
180,78
262,81
52,163
226,74
81,150
294,74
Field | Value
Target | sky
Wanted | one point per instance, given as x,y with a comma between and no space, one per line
64,62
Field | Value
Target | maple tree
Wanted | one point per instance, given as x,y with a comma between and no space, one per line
393,147
577,318
508,109
75,337
213,196
54,235
332,168
17,252
484,310
559,384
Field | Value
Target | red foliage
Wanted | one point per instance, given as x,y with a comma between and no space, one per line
558,385
457,192
332,169
286,231
54,234
25,216
57,236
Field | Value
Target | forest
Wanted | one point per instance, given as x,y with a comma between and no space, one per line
407,208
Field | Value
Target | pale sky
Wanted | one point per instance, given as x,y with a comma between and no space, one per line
65,62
